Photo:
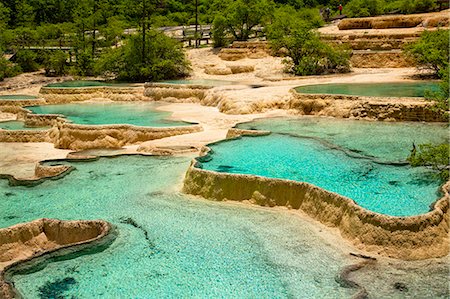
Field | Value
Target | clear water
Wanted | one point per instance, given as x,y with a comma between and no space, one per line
195,248
15,125
346,157
138,114
384,141
207,82
404,89
86,83
17,97
386,189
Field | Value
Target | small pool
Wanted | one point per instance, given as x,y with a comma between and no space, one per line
364,165
15,125
86,83
137,114
392,89
17,97
206,82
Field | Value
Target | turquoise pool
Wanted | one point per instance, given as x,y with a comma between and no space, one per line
207,82
190,248
17,97
363,164
183,247
138,114
15,125
388,89
383,141
87,83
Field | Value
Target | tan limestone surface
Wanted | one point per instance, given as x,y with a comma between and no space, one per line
409,238
25,241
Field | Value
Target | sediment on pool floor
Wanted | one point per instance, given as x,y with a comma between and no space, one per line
409,238
45,239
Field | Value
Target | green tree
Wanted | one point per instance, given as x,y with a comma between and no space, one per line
55,63
164,59
7,69
308,54
242,17
434,155
219,32
364,8
27,60
431,51
4,16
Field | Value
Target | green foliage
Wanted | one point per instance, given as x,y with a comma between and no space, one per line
164,59
368,8
364,8
441,97
435,156
27,60
431,50
219,32
242,17
7,69
55,63
308,54
84,64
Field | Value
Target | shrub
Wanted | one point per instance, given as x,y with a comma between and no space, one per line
8,69
431,51
364,8
434,155
308,54
84,64
163,59
219,32
55,63
26,59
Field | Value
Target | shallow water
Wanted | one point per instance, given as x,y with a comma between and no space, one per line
86,83
386,189
393,89
194,248
207,82
17,97
347,157
138,114
18,125
385,141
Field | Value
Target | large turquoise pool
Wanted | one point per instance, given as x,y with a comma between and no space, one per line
182,247
387,89
346,157
87,83
138,114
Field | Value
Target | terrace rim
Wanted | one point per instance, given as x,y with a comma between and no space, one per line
407,238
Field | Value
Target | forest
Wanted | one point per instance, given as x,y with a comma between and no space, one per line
91,38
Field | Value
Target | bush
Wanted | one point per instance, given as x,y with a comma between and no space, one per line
442,96
163,59
364,8
309,55
219,32
431,51
27,60
84,64
55,63
435,156
8,69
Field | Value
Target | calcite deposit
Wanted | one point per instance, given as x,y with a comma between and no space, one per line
44,238
408,238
